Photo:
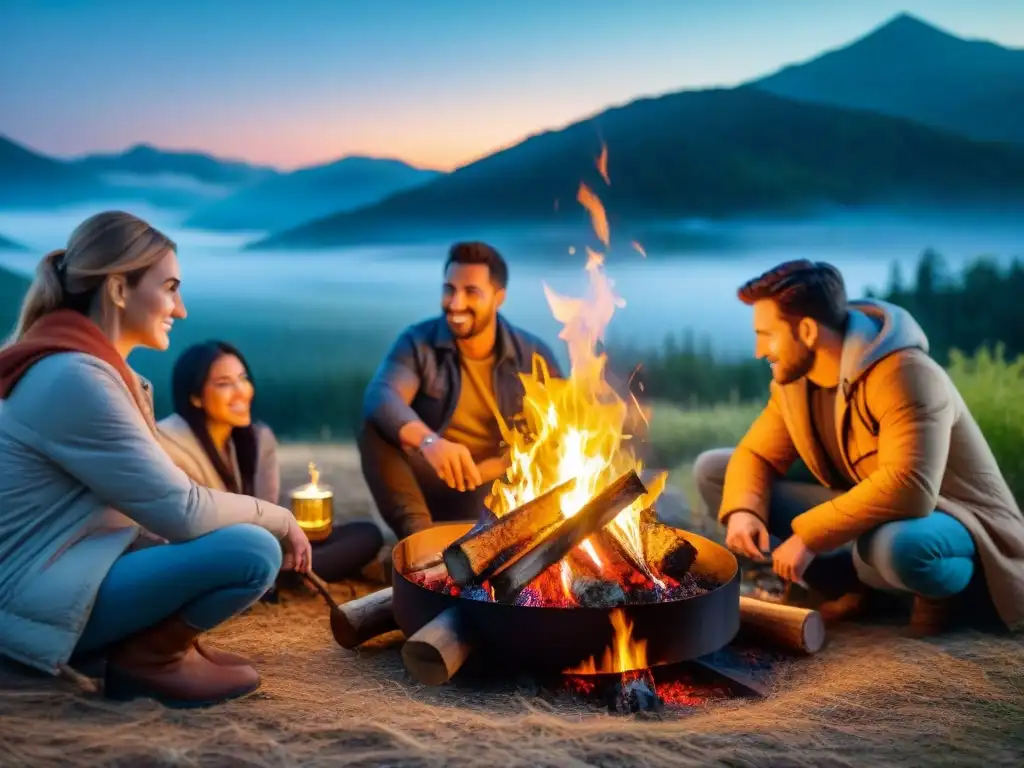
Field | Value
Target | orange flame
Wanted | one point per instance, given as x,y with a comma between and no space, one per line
595,208
602,164
575,426
624,655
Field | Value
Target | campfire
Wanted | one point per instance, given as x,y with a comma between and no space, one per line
571,449
573,571
575,526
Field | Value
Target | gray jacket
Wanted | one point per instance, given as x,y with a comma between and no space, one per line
80,472
187,452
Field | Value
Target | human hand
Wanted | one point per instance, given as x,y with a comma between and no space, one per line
453,464
791,558
746,534
298,553
493,467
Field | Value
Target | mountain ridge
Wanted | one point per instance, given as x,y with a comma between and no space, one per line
307,193
711,153
910,68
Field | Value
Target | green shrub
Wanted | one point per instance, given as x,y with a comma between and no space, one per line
678,435
993,389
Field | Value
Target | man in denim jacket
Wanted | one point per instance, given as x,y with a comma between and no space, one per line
431,445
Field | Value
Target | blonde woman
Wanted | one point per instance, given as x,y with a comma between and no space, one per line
106,545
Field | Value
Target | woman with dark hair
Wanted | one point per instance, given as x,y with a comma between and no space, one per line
212,437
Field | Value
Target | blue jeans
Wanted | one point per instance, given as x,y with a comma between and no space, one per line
208,580
933,556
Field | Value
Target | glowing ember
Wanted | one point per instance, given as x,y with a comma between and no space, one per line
575,426
639,248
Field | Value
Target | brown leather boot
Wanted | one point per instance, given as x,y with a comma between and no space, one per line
848,607
163,663
931,616
220,657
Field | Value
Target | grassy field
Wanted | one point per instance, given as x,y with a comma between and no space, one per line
872,697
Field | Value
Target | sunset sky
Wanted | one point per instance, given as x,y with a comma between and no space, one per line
434,82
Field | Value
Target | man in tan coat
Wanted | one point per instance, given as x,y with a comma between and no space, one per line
906,491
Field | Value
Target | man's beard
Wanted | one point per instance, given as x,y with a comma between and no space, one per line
467,330
800,366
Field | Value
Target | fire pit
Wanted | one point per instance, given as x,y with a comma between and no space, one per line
562,638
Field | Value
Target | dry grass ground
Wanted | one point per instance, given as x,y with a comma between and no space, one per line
872,697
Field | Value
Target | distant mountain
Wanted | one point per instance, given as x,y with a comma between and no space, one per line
147,160
29,179
711,153
908,68
285,201
10,245
173,178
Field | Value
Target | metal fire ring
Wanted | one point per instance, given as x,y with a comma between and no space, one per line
561,638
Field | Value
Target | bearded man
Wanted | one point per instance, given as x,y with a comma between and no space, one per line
431,444
905,488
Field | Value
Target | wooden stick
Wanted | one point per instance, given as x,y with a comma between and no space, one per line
359,620
439,649
479,553
562,537
795,629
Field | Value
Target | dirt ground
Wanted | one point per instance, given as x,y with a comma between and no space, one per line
872,697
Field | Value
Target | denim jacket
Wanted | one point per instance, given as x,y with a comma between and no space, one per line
420,376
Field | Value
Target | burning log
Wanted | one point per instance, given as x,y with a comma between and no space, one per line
666,552
632,693
478,554
438,650
617,557
558,540
793,628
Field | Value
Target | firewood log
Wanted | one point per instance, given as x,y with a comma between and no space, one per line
788,626
358,620
562,537
438,650
666,551
369,616
475,556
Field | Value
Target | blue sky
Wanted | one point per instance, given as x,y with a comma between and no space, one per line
434,82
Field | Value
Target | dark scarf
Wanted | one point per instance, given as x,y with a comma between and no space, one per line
65,330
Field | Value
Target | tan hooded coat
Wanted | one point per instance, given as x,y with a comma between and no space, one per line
908,439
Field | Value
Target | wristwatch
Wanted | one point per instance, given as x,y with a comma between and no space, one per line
431,438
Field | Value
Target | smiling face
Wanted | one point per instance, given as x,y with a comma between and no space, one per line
150,306
227,393
469,300
778,342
